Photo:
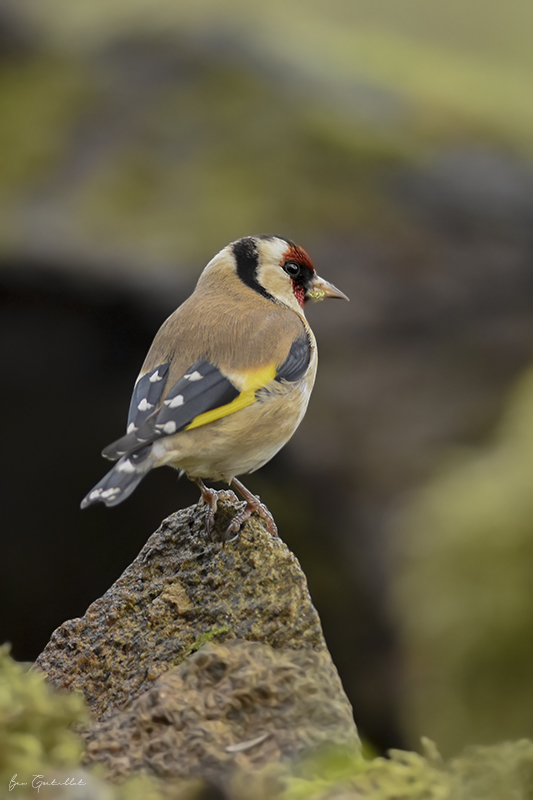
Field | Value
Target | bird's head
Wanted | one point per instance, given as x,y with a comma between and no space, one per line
274,267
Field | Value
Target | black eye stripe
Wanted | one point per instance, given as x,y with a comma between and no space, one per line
247,260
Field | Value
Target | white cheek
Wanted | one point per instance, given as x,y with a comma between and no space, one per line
278,284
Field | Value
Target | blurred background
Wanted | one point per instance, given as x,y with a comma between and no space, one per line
394,141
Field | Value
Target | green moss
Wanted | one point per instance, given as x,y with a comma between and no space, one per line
204,638
147,788
499,772
35,723
463,593
35,738
337,772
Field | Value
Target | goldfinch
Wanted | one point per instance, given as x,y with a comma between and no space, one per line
228,377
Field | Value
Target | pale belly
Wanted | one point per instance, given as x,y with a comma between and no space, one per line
241,442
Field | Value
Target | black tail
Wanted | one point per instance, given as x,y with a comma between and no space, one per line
119,482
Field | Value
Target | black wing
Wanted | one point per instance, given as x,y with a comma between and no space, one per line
297,362
201,389
146,395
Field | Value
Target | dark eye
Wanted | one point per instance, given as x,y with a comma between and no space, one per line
292,268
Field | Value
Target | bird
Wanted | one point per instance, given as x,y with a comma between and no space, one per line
227,379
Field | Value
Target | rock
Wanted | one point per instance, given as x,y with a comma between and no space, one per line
181,591
264,692
236,705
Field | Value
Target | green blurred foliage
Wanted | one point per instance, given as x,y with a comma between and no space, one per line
37,95
463,595
403,775
274,117
500,772
34,723
212,152
222,154
40,97
35,739
469,60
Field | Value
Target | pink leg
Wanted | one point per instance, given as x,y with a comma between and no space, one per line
253,504
211,498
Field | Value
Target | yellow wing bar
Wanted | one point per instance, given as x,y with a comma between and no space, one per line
250,382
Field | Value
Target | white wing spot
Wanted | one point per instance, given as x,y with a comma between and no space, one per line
193,376
175,402
155,377
125,466
170,427
95,494
131,427
144,405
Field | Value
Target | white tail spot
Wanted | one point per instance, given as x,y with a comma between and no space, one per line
125,466
110,492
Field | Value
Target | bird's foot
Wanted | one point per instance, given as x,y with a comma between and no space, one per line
211,498
253,505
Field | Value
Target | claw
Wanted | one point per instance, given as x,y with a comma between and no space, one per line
210,498
253,505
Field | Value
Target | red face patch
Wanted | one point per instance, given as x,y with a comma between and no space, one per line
296,253
299,292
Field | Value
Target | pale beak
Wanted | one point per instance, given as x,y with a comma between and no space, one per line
321,289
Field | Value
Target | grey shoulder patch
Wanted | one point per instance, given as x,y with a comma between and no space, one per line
297,362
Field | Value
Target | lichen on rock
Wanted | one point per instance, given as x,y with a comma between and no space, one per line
215,650
182,589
